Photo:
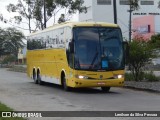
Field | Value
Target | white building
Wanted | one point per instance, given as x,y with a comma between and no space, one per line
102,11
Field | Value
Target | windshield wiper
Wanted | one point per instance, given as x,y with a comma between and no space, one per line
94,59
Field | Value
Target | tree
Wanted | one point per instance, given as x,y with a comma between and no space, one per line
159,4
61,19
25,9
34,10
11,40
155,41
37,13
2,37
140,53
133,5
70,6
54,6
9,59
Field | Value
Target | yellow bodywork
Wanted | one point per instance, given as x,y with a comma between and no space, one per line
51,63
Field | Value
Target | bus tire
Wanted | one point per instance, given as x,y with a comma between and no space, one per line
105,89
34,77
64,83
40,82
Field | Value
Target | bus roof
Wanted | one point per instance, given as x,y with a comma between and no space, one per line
76,24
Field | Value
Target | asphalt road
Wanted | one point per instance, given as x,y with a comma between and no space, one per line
20,93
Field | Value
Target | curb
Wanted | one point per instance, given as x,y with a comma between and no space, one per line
142,89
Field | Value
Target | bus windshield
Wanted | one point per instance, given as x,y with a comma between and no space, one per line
98,48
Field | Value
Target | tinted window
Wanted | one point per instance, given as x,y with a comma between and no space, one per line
98,48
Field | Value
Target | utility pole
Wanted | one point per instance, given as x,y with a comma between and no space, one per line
115,11
130,22
131,9
44,3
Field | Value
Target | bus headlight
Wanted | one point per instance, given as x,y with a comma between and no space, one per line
118,76
81,77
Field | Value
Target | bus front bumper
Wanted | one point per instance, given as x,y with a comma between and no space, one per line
77,83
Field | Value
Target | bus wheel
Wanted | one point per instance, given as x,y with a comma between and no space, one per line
64,84
105,89
34,77
40,82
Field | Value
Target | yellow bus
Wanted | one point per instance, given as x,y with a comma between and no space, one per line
77,54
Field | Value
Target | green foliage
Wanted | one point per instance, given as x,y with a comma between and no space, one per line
144,76
134,4
150,76
61,19
140,53
31,45
34,10
129,77
10,41
5,108
2,37
9,59
72,5
25,10
155,41
50,6
18,69
37,12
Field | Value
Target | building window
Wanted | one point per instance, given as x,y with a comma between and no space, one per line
103,2
146,2
124,2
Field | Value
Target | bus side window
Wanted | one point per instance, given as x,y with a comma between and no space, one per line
69,46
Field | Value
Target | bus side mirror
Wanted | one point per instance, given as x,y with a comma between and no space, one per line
71,47
126,49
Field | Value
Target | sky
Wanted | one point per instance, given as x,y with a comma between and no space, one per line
7,15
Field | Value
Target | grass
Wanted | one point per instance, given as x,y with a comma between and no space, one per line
146,76
4,108
129,77
17,69
149,76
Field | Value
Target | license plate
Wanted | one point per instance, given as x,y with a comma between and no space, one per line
101,83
